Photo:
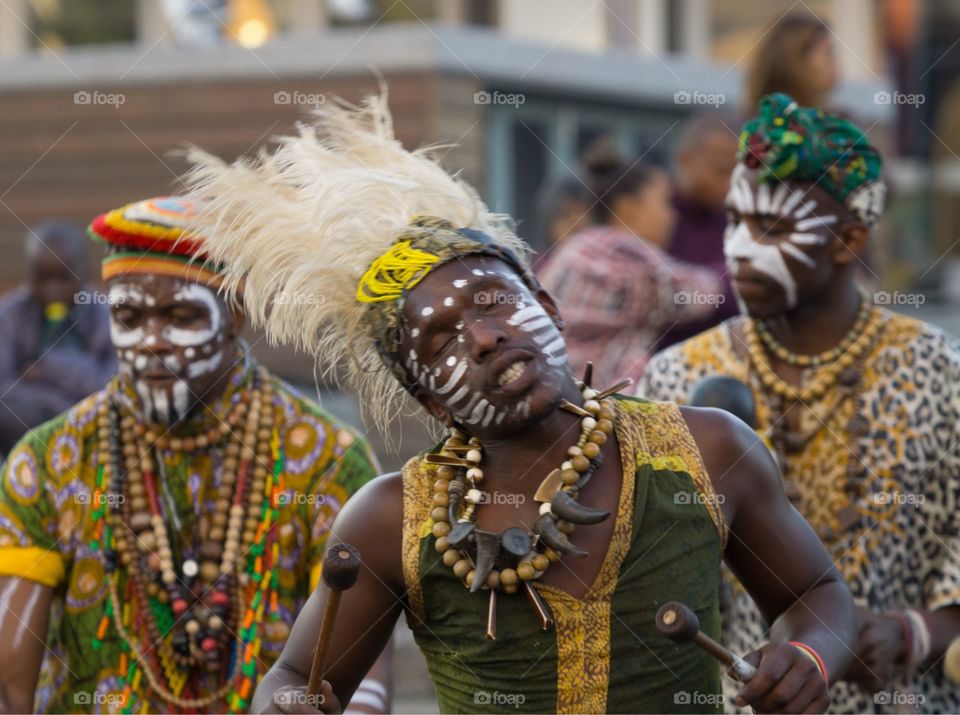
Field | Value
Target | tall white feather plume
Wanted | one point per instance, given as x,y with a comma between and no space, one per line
299,226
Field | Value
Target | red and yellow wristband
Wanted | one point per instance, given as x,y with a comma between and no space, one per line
815,657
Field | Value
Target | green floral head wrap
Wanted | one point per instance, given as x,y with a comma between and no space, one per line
786,142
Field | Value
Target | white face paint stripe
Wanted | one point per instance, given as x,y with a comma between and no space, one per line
537,323
458,395
525,314
815,221
555,345
805,209
477,413
795,198
798,254
454,378
763,199
808,239
491,411
202,367
738,244
181,396
778,196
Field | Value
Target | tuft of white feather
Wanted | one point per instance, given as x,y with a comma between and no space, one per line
298,227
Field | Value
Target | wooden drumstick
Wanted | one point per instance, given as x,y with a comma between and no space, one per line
341,566
681,625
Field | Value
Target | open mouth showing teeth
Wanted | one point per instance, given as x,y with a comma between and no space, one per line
511,373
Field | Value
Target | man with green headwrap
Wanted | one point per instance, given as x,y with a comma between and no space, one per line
860,405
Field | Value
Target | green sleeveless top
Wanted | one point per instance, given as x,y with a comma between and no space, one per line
603,653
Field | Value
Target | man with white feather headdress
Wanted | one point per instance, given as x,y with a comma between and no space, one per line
426,294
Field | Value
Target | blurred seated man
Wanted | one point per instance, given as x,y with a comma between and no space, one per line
704,158
169,527
54,335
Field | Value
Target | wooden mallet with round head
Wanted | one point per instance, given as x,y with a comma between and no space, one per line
341,566
681,625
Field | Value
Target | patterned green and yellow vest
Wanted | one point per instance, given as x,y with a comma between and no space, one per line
603,653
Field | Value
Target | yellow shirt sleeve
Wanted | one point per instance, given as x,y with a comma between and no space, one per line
32,563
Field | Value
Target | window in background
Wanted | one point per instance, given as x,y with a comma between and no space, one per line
61,23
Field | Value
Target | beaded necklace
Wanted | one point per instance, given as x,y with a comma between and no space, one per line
844,376
510,560
204,620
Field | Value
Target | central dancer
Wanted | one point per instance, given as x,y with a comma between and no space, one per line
427,295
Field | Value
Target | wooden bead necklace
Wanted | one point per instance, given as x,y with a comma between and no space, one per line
826,378
510,560
201,607
828,356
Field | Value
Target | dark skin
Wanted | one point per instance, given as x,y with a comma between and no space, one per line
771,548
159,304
827,304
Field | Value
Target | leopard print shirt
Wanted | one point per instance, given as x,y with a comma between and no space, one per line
897,543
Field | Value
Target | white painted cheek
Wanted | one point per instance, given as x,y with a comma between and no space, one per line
172,363
739,245
123,337
205,366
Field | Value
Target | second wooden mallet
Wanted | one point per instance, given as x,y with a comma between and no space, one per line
341,566
681,625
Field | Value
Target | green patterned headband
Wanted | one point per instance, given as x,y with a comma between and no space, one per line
788,142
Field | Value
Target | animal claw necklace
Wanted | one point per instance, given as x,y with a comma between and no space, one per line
510,560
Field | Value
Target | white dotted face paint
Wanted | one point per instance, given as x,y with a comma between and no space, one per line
166,402
448,301
428,311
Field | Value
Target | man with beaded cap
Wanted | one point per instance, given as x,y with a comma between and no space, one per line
427,299
861,405
169,527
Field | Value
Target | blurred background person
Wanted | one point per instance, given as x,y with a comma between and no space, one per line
704,157
54,333
618,288
563,209
795,56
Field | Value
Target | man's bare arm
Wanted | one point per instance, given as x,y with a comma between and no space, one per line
372,521
778,558
24,611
